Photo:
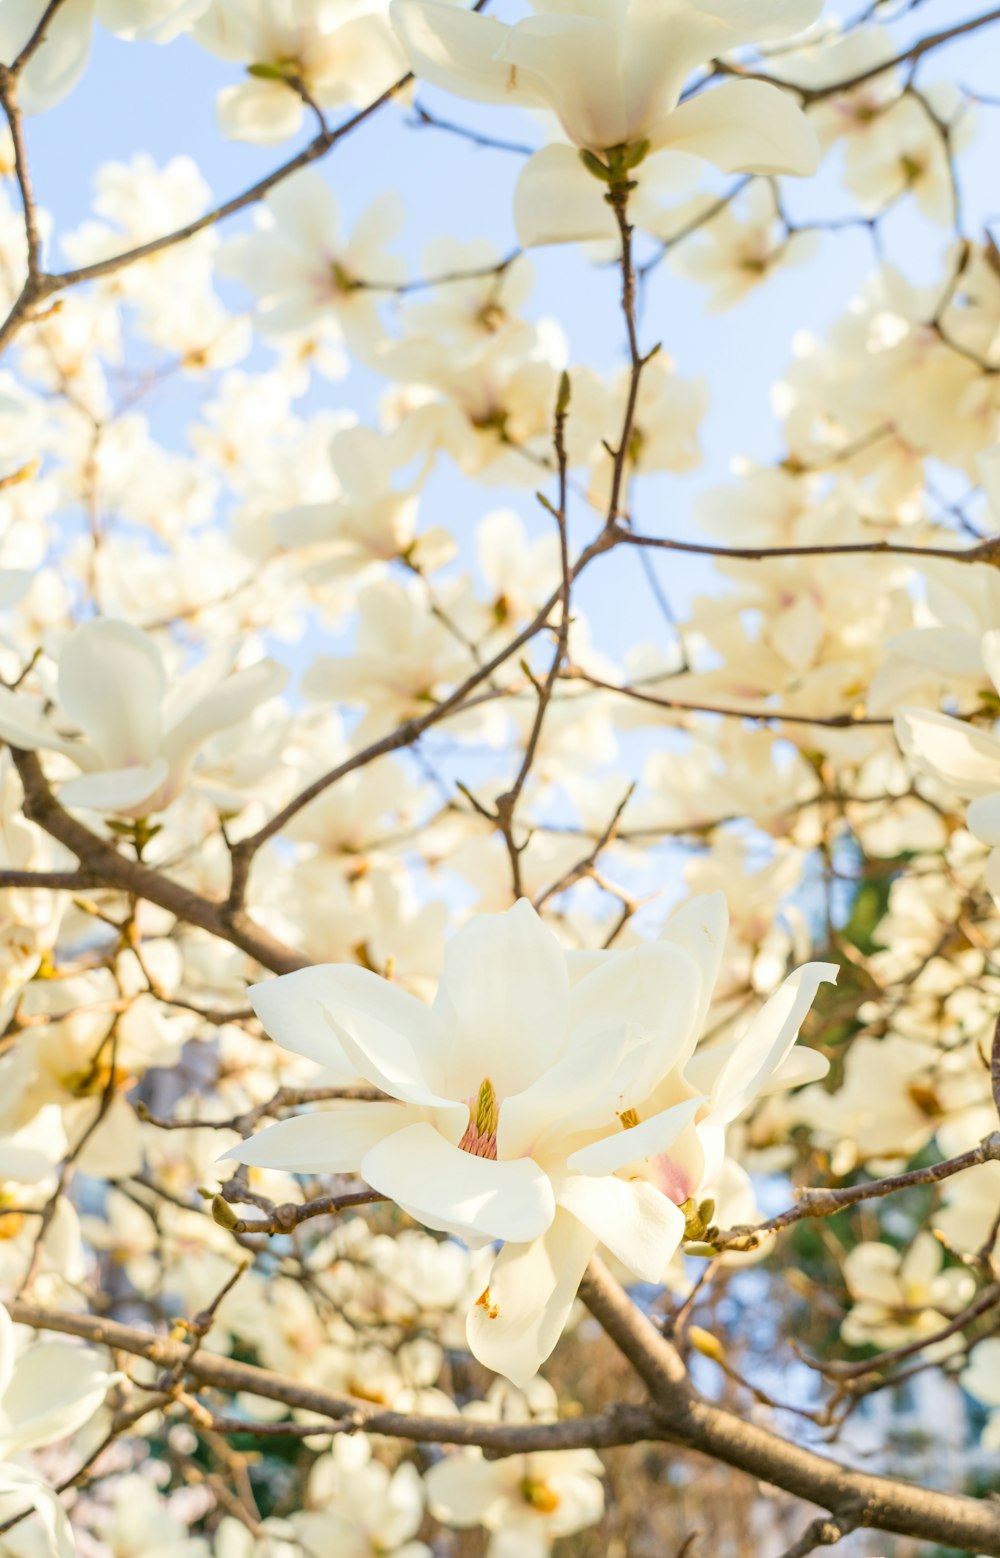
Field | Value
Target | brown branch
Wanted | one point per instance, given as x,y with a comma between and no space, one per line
37,38
506,803
912,55
619,1425
819,1533
102,860
676,1416
987,552
826,1203
406,734
9,103
831,721
617,198
55,881
46,285
291,1214
988,1299
585,866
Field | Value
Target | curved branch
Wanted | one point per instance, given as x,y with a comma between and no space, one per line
676,1416
101,860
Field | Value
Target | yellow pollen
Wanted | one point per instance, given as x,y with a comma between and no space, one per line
629,1119
539,1495
483,1302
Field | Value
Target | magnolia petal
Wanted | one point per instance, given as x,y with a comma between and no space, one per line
557,201
23,724
56,67
799,1066
744,127
225,706
261,112
53,1390
14,585
111,684
983,819
668,39
700,927
57,1533
8,1349
327,1141
457,50
574,63
448,1189
389,1038
117,789
575,1094
463,1491
645,1140
767,1041
991,656
297,1011
502,1004
947,651
520,1317
359,1025
630,1217
659,987
954,752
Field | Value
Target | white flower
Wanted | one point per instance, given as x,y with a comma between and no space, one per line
524,1501
345,53
303,270
900,1297
964,757
360,1509
61,59
613,72
46,1393
139,738
547,1100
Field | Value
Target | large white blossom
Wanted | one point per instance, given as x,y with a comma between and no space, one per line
553,1103
138,738
47,1391
613,72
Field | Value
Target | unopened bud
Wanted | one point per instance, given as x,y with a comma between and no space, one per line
707,1344
223,1214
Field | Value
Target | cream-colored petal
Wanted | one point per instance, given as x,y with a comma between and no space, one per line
743,127
520,1317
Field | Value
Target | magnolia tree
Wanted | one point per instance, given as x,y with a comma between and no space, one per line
498,949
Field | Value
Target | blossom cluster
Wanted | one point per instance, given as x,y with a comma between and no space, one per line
456,837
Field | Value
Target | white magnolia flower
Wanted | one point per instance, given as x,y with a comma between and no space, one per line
524,1501
613,72
900,1297
138,737
965,757
342,53
304,270
46,1393
61,59
358,1509
550,1101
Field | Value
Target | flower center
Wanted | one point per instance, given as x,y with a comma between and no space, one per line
539,1495
481,1132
